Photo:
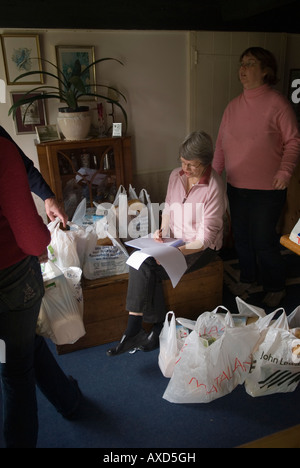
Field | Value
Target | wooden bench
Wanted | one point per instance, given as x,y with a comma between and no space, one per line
196,292
105,315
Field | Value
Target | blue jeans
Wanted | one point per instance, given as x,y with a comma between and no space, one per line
28,358
254,216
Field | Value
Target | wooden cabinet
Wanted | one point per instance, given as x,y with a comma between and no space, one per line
109,166
91,169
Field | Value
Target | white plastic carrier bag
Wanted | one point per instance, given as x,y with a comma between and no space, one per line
103,260
168,351
141,216
275,363
171,340
60,317
294,322
295,234
62,249
215,358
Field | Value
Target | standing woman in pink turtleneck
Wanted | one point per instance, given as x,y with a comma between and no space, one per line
258,145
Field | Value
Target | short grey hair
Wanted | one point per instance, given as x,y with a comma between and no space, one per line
197,145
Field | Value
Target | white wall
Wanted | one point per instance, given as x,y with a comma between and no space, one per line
154,80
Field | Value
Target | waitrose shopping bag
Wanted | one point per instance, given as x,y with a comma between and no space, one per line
211,366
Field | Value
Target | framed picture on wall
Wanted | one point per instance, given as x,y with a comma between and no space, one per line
27,118
72,59
294,91
21,54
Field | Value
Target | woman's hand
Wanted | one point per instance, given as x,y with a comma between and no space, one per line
53,210
157,236
43,258
279,184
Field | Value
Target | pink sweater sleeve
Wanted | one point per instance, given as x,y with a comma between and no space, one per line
291,144
17,207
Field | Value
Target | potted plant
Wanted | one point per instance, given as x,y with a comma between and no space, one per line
70,90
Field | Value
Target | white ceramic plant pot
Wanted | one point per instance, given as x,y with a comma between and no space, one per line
74,125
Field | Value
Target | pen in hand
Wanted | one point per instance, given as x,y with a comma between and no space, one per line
158,235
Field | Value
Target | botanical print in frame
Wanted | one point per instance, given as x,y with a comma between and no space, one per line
70,59
21,54
34,116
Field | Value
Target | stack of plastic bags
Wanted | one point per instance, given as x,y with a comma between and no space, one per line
94,241
207,359
91,246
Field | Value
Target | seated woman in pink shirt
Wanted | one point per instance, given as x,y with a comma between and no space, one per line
258,145
194,210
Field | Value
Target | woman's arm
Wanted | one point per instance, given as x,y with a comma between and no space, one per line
289,130
17,204
159,234
219,160
191,247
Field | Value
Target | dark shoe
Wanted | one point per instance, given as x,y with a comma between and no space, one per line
274,299
242,289
128,343
151,343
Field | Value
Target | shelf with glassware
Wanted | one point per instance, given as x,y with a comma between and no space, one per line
91,169
94,169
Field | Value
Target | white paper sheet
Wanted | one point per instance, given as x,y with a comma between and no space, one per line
148,241
170,258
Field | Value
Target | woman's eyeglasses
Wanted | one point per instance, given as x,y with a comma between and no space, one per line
189,165
248,64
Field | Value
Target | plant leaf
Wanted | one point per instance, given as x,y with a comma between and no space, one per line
77,82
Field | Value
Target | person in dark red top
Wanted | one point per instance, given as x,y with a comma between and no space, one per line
28,361
38,184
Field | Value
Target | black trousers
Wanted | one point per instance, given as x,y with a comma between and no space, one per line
254,216
145,289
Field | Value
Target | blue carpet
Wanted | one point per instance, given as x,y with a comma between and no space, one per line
123,406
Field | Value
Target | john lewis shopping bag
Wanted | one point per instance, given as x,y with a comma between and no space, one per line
274,366
208,369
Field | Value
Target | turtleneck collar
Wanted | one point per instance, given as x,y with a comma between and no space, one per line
249,93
